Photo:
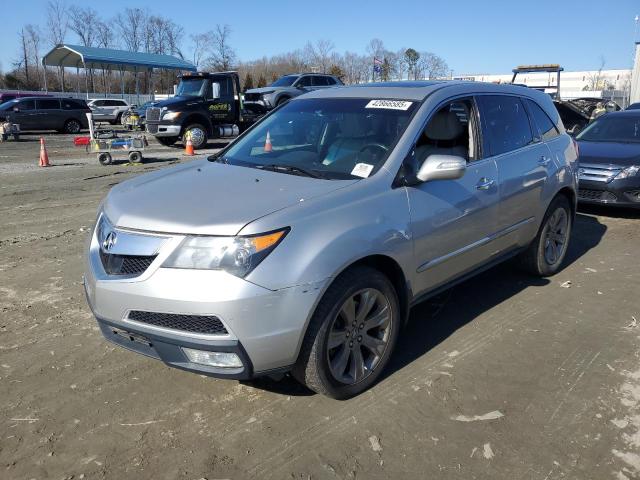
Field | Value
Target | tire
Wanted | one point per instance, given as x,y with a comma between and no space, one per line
282,100
72,126
198,135
135,157
546,253
105,159
319,364
167,141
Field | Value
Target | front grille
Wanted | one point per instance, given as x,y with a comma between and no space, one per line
598,173
203,324
125,264
153,114
152,128
599,195
252,97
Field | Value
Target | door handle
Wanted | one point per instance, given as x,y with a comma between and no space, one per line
485,183
544,161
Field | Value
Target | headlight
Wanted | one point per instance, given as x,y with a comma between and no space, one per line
627,172
171,115
235,255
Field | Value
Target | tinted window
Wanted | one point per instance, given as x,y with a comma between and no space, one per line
304,82
506,123
114,103
49,104
226,87
6,98
68,104
319,81
26,104
285,81
98,103
331,81
542,121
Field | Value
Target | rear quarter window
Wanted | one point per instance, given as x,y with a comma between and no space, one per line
541,120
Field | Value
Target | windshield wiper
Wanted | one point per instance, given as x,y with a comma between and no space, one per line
275,167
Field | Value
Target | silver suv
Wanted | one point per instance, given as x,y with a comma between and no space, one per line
302,245
288,87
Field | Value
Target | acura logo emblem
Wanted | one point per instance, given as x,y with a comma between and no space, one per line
109,241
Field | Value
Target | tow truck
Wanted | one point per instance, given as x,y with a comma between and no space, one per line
206,105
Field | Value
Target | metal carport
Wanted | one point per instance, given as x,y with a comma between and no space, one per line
105,58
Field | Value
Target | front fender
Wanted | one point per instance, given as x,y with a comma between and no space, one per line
330,233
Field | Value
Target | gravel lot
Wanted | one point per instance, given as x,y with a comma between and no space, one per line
504,377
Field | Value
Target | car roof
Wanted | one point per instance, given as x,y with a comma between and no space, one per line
624,113
420,89
109,98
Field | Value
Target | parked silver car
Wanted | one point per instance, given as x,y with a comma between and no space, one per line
302,246
108,109
288,87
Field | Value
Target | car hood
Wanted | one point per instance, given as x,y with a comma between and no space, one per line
208,198
265,89
609,153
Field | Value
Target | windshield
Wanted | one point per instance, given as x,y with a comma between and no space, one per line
328,138
615,128
285,81
7,105
191,87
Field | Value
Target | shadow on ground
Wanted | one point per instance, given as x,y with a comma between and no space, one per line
433,321
610,211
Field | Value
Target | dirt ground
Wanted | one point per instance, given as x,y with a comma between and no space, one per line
504,377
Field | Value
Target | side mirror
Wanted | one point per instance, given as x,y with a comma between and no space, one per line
215,90
442,167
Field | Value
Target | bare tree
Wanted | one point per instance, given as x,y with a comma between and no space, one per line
131,28
200,45
222,55
57,22
318,55
431,66
82,21
57,26
595,80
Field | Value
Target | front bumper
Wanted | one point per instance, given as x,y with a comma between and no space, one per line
163,129
623,193
263,327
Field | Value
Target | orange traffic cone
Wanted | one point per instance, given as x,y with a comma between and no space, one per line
188,149
267,143
44,157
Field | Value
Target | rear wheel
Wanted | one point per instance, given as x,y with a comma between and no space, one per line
167,141
546,253
198,135
72,126
135,157
351,334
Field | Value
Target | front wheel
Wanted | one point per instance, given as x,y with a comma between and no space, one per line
351,335
545,254
198,136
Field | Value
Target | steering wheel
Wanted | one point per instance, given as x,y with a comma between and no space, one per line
380,146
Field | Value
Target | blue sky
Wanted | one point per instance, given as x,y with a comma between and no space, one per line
473,36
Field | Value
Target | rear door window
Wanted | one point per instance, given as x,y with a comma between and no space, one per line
304,82
505,122
542,121
49,104
72,105
319,81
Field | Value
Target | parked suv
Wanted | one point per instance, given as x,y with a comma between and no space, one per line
288,87
108,109
47,113
302,245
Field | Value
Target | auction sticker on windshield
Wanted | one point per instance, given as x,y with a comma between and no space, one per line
389,104
362,170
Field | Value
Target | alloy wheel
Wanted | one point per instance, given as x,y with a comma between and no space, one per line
197,136
359,336
555,236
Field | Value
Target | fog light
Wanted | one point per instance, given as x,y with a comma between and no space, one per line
213,359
